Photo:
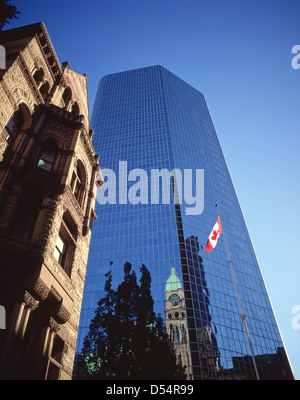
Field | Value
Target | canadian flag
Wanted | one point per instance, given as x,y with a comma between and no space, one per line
214,236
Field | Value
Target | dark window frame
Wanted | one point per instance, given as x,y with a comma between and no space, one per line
48,155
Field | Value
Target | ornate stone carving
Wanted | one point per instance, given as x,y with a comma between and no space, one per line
63,315
41,289
73,203
54,326
23,94
30,301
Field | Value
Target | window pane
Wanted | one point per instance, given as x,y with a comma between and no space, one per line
76,190
61,244
22,230
48,156
11,126
5,133
57,254
25,221
44,165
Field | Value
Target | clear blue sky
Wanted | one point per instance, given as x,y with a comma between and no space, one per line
236,52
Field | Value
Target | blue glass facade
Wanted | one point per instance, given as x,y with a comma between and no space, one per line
154,120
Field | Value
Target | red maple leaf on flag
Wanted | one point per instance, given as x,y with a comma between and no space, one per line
214,235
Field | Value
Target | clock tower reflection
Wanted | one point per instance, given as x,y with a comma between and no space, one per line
176,321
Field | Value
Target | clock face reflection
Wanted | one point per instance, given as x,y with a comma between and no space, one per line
174,299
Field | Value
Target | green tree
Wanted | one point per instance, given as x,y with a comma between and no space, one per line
126,339
7,12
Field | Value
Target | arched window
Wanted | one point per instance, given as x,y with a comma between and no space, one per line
78,182
49,152
177,336
14,125
67,96
44,89
38,76
183,334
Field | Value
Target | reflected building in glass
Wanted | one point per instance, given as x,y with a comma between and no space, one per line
153,120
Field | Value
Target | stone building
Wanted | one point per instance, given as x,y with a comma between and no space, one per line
49,174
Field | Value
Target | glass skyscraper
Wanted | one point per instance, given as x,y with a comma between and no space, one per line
148,119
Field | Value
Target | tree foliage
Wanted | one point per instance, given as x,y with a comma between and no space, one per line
126,339
7,12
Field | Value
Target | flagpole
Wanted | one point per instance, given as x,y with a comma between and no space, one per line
243,316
